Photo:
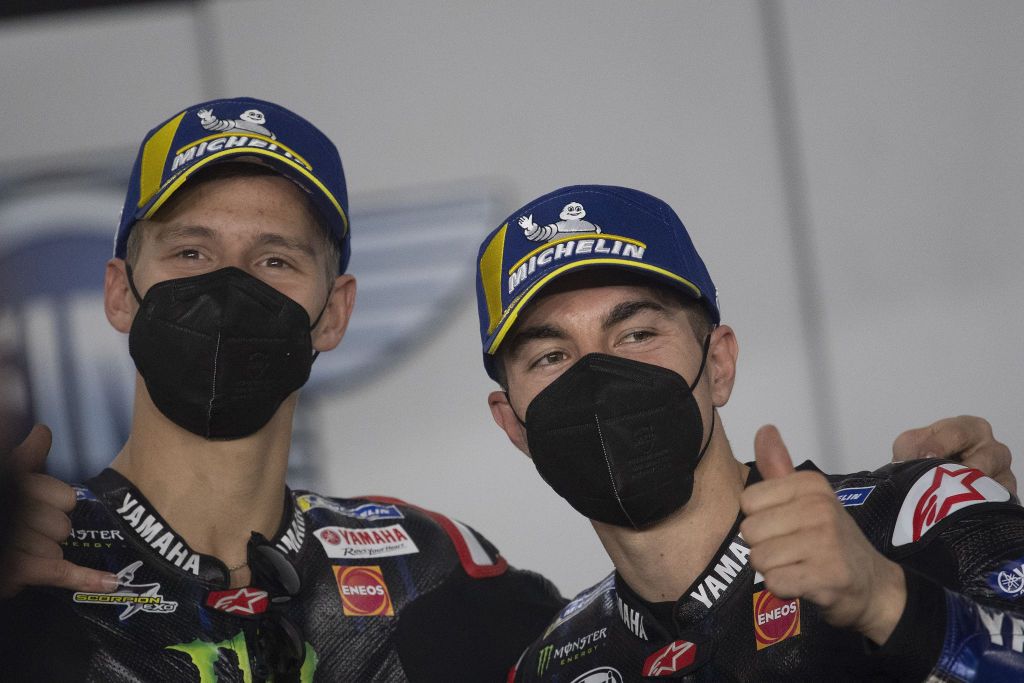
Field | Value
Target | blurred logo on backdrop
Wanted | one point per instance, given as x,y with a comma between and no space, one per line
62,364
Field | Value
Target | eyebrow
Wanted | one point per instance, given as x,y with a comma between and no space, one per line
272,239
627,309
184,232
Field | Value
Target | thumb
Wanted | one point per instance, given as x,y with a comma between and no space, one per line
30,454
773,461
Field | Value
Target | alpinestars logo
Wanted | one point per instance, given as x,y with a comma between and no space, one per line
939,493
670,659
248,601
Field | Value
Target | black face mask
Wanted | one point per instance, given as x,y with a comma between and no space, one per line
220,352
618,439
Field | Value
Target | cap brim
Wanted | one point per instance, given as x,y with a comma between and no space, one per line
509,317
282,164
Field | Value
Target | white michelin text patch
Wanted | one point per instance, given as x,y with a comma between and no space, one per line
937,494
344,543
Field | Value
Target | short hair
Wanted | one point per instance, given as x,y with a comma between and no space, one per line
239,169
696,311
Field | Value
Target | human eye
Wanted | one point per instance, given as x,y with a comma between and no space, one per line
638,336
189,254
548,359
276,262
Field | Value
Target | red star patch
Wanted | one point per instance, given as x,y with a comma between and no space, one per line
949,488
247,601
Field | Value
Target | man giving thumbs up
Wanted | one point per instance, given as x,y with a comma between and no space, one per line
613,366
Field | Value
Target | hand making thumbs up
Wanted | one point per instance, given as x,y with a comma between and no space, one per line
806,546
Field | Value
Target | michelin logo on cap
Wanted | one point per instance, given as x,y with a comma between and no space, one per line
250,121
571,221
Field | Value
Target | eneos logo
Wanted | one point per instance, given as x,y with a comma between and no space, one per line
363,591
775,619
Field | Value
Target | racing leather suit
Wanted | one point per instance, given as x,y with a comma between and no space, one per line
957,534
389,592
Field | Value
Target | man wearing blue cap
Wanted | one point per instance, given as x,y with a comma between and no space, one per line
613,365
229,278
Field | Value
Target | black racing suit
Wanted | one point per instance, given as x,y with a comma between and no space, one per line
958,535
389,592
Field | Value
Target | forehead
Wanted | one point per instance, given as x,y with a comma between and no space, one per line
593,294
243,204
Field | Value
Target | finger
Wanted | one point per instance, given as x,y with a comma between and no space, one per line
31,542
47,520
770,453
38,571
944,438
775,492
798,516
775,553
30,454
993,460
41,488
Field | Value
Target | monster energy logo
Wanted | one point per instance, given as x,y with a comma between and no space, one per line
544,660
204,656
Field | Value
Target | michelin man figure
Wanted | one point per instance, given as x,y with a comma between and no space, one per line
572,221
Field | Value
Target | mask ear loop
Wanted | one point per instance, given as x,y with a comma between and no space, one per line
131,282
317,322
703,363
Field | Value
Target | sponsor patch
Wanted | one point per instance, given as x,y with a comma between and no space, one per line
1004,630
370,512
571,651
775,619
939,493
246,601
1008,580
718,579
853,497
674,658
633,620
344,543
602,674
291,540
133,597
100,539
162,540
363,591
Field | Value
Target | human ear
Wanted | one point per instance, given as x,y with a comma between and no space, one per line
722,356
118,301
334,320
505,417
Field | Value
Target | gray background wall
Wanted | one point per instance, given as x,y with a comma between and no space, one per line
851,172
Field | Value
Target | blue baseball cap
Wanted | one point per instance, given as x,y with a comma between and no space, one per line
236,129
582,226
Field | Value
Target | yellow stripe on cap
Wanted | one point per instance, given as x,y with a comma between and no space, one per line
572,237
513,312
490,276
154,158
166,192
